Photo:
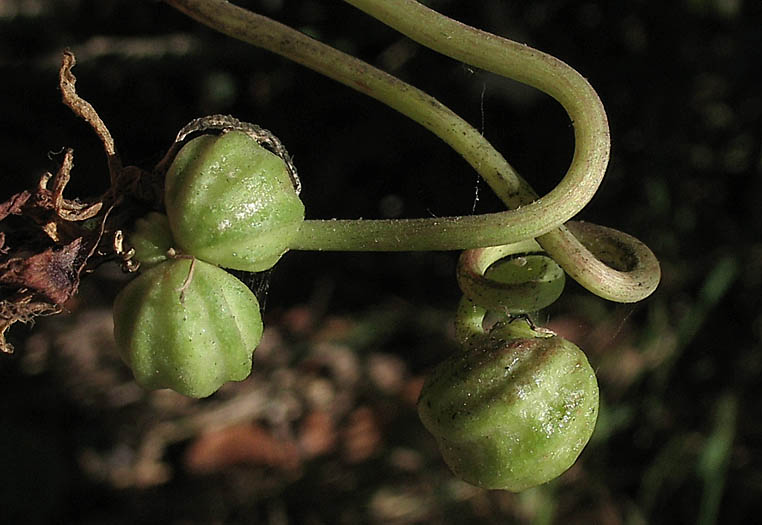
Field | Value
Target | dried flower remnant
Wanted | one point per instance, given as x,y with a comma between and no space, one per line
46,240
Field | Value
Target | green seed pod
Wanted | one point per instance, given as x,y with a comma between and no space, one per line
231,202
511,414
190,331
151,238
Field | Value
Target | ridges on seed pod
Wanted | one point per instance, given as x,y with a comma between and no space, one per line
511,414
188,330
231,202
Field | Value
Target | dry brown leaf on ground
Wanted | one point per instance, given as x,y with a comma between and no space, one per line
240,444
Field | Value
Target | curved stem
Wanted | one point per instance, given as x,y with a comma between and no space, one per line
614,265
444,233
535,218
524,64
514,286
546,73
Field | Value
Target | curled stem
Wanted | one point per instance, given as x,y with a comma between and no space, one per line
612,264
536,218
518,285
629,282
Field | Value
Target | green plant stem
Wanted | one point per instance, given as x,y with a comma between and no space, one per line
524,64
360,76
444,233
628,281
536,216
610,263
469,330
526,284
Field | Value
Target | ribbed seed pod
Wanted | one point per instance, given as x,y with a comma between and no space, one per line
512,414
151,238
190,332
231,202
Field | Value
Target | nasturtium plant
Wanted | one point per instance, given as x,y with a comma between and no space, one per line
231,202
516,407
187,325
151,238
513,413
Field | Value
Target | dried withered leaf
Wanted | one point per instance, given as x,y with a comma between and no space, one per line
44,251
80,106
69,210
53,199
23,309
54,274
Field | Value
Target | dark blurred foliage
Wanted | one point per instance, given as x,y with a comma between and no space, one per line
678,440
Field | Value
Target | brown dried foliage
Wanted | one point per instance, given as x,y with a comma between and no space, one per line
47,241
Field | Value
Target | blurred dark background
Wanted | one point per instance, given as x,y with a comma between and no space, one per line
325,431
